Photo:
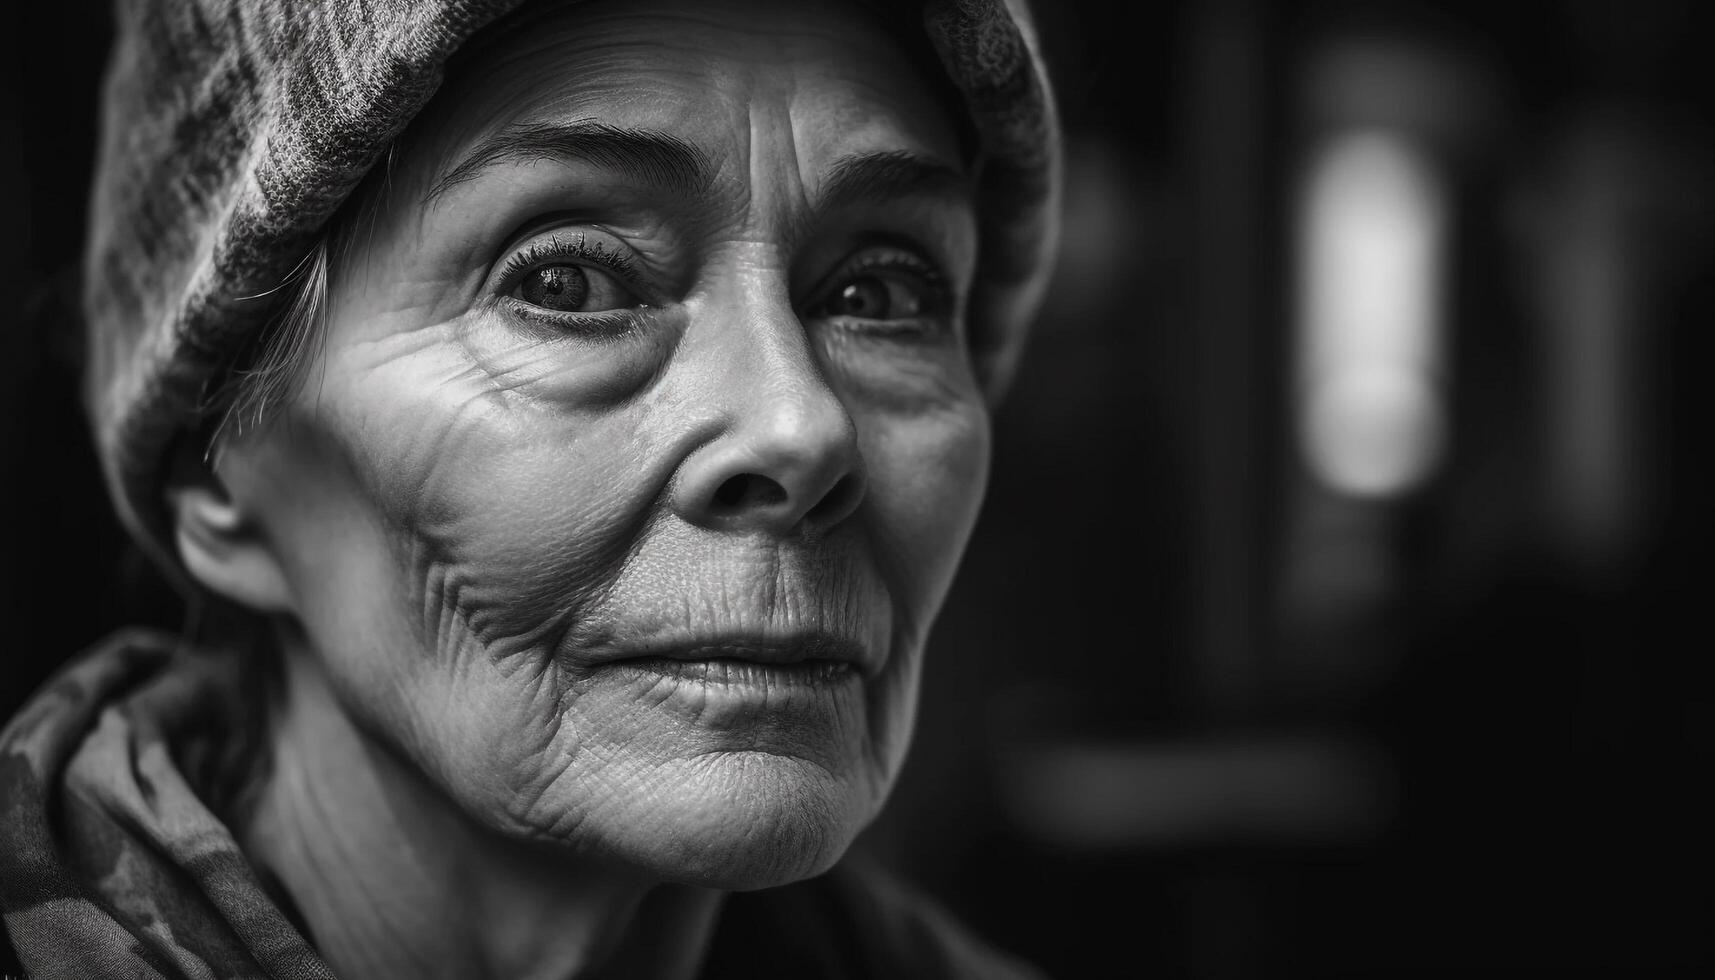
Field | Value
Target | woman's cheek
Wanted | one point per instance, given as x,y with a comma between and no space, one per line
520,505
513,542
928,470
566,365
508,473
444,538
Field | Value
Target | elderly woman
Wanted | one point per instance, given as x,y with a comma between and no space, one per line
566,421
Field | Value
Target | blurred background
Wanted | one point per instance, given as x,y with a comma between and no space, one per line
1335,607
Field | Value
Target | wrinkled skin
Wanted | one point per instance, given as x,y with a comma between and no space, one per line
478,507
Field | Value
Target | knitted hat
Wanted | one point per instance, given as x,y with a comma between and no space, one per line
233,130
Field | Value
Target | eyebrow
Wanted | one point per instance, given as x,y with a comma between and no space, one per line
884,176
654,158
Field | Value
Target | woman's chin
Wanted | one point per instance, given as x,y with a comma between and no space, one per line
754,864
734,821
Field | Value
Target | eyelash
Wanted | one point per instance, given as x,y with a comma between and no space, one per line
539,253
899,260
603,324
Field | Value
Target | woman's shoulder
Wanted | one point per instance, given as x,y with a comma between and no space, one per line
856,921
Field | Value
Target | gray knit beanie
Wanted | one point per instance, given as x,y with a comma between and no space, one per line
233,130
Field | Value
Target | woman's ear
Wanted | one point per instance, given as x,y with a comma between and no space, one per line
221,543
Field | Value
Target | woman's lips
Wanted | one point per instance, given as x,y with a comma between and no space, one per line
729,672
793,693
808,658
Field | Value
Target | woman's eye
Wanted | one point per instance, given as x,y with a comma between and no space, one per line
873,296
566,288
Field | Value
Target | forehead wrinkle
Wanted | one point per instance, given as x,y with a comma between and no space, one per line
778,184
807,190
605,58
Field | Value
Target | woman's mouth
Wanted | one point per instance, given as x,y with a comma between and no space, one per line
740,672
773,669
799,652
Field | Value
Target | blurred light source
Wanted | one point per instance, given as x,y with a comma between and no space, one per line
1280,790
1606,225
1373,222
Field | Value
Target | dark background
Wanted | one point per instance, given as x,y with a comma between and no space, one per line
1196,707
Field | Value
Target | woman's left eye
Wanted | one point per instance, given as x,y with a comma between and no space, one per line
874,297
564,287
882,286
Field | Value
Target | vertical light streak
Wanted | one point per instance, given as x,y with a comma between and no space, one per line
1371,419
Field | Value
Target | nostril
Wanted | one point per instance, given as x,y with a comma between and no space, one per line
749,490
731,492
838,502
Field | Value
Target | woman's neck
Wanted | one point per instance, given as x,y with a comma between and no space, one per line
393,880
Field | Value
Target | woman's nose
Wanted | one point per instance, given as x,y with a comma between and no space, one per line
788,461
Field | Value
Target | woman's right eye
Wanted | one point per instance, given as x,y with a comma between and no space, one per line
566,277
564,287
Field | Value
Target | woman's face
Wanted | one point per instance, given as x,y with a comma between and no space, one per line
643,441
